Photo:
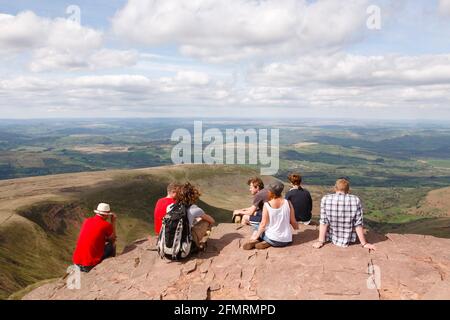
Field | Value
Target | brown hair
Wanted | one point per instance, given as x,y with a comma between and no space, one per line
295,179
187,194
256,182
271,195
342,185
172,187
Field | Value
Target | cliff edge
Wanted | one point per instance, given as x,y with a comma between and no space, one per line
403,267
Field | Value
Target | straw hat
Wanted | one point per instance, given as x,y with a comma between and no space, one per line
103,209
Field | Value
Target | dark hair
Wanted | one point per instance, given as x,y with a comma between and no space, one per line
295,179
187,194
256,182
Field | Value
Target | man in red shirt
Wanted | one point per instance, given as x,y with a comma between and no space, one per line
162,204
96,241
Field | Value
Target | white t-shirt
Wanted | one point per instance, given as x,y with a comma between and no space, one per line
279,228
193,212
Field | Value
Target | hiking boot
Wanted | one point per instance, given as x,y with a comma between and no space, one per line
262,245
250,245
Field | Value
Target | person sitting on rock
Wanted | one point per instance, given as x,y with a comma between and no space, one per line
162,204
97,238
341,218
199,221
300,198
277,218
253,214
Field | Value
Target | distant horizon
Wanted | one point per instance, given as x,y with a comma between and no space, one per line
236,119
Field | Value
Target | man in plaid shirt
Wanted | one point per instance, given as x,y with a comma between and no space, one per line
341,218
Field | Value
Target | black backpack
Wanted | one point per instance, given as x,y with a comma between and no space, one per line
175,239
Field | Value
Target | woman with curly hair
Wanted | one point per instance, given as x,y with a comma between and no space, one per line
199,221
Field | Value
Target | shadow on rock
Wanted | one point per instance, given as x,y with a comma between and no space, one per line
134,245
215,246
304,237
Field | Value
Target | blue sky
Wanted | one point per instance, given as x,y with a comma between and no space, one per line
237,58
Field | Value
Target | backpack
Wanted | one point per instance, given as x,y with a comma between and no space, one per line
175,239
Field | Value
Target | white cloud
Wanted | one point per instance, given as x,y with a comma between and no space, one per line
20,32
127,91
389,82
288,53
444,7
58,44
218,31
28,31
108,58
194,78
361,83
48,59
356,70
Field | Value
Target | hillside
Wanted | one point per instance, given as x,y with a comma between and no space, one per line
40,217
411,267
437,202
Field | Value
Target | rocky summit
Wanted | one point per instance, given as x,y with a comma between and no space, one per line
402,267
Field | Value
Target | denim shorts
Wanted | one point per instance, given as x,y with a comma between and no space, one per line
274,243
255,225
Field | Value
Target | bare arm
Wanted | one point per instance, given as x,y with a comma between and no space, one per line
249,211
262,226
322,234
208,218
323,226
362,238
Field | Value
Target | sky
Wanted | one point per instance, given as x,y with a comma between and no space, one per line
353,59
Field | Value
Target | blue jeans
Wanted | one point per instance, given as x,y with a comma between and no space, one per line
255,220
255,225
109,252
273,243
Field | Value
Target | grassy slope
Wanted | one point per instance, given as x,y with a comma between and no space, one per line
35,248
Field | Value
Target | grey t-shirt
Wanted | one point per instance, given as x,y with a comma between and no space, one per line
193,212
259,199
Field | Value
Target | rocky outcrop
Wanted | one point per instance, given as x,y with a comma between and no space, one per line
402,267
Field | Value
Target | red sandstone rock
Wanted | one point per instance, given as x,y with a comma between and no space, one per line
409,266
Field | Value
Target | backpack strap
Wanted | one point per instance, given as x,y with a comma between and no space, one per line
177,239
161,242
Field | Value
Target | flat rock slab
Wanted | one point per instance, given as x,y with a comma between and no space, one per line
403,267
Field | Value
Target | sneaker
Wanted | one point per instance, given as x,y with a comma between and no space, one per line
237,219
262,245
250,245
